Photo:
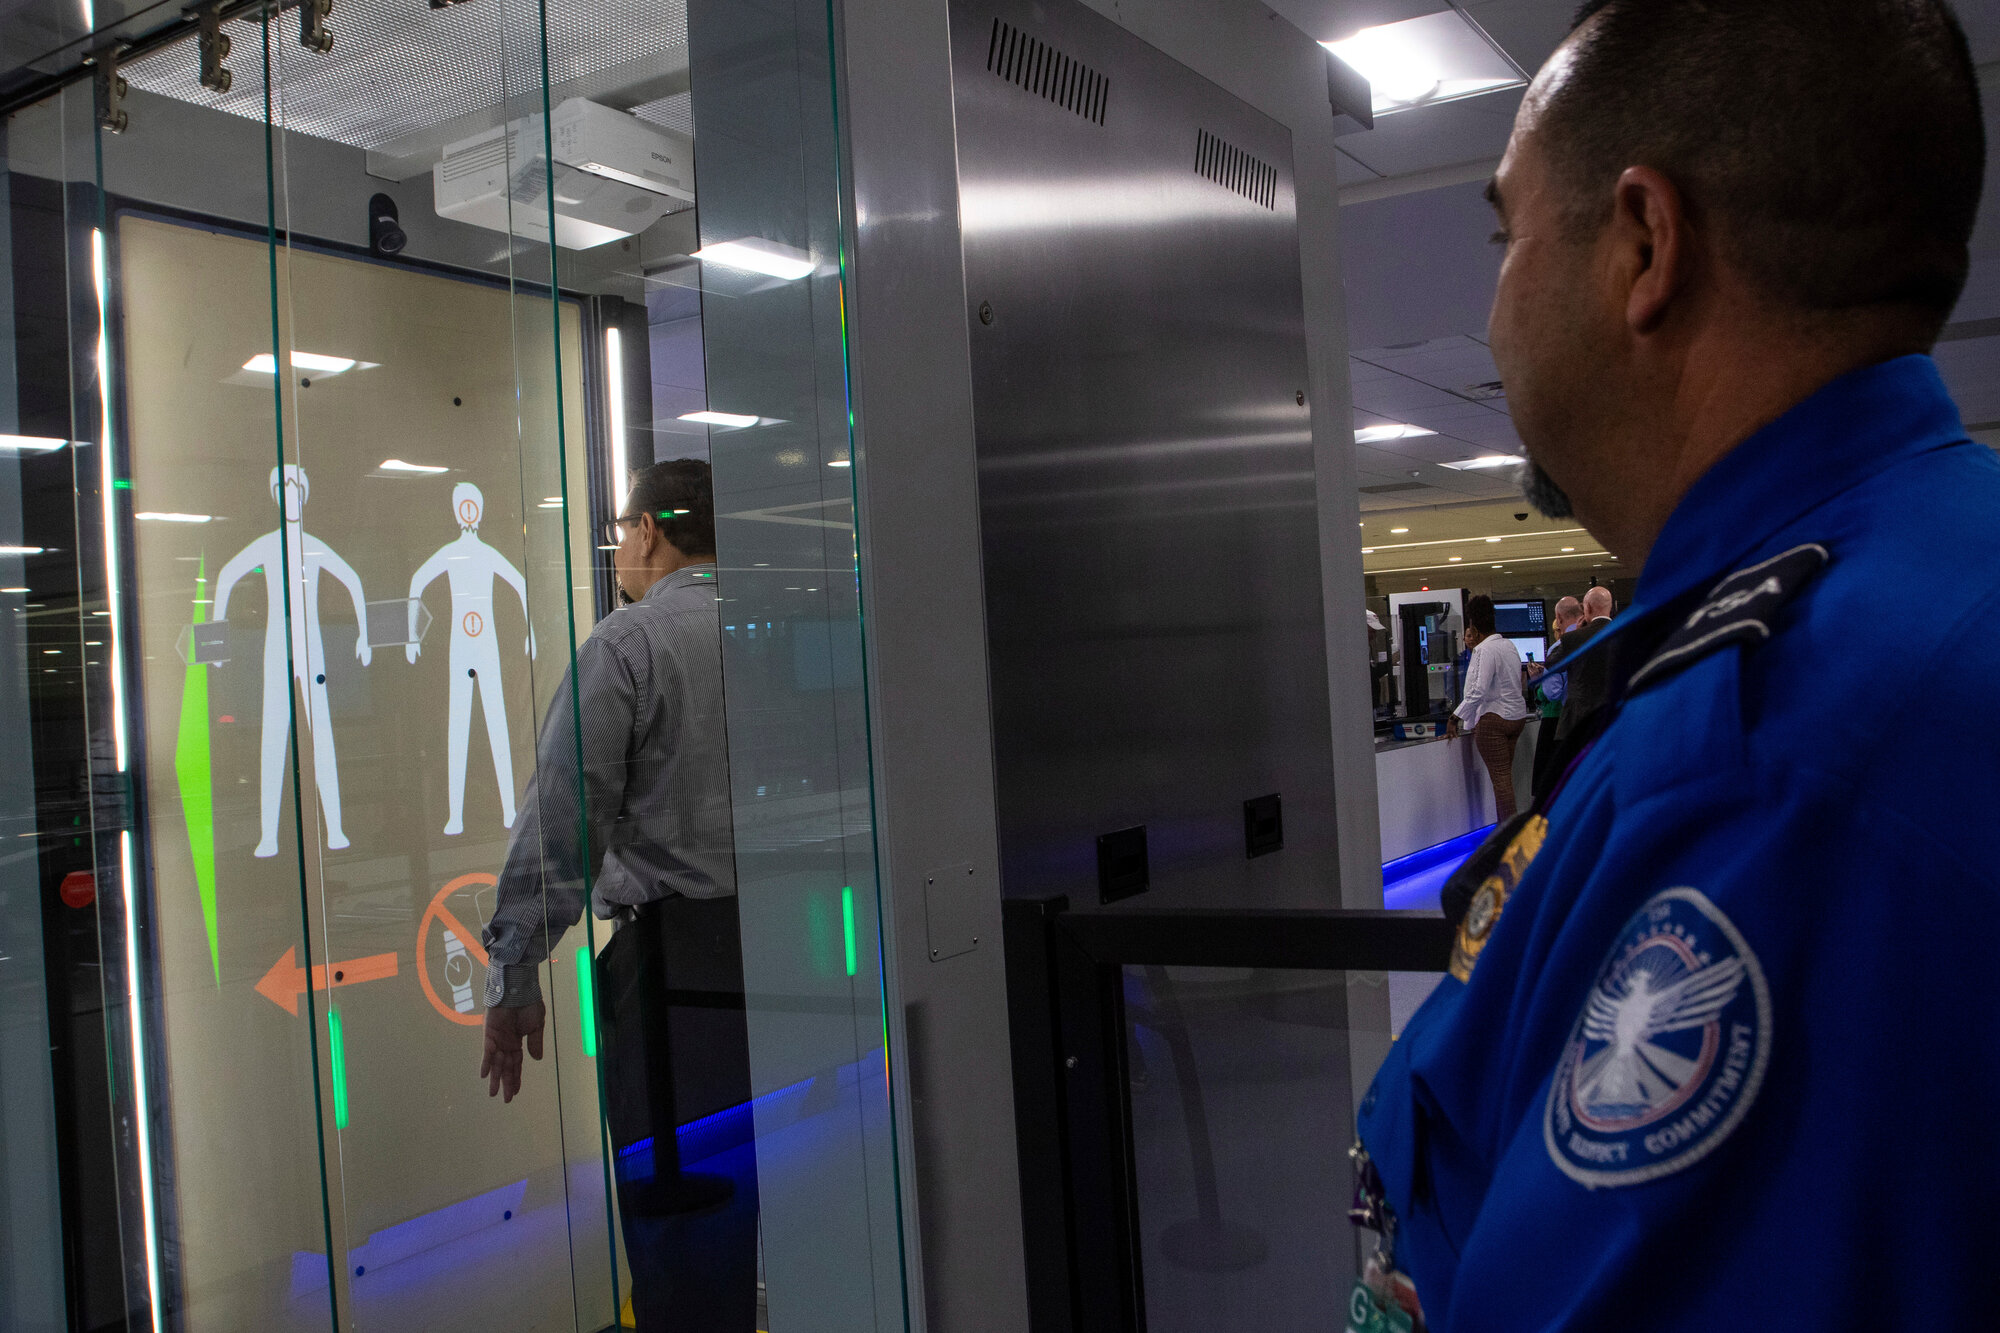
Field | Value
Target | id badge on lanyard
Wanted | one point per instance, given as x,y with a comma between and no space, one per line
1382,1299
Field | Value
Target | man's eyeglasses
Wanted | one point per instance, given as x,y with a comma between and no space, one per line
613,533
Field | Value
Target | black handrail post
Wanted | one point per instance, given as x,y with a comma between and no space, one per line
1039,1117
1108,1277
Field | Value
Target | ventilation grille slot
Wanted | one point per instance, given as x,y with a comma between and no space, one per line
1039,68
1233,169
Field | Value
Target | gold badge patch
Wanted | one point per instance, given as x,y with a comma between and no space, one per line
1492,895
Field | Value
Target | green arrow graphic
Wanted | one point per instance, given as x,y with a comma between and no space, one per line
191,773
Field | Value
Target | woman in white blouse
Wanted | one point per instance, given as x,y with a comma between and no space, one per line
1493,709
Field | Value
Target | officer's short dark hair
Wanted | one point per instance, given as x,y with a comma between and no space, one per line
1479,613
1836,145
679,496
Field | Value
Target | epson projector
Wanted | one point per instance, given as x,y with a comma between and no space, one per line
614,176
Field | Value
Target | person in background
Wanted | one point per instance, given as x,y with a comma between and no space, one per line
647,837
1566,618
1493,709
1589,679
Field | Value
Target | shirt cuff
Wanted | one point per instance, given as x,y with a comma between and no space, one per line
512,985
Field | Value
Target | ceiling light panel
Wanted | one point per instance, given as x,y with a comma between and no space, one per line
1424,61
1391,431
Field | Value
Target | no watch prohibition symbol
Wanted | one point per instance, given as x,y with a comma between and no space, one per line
451,926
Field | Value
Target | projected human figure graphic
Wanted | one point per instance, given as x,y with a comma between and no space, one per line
472,565
308,556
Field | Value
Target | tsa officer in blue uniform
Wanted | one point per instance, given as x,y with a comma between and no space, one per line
1720,1047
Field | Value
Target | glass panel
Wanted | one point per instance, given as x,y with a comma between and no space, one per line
424,413
61,602
236,1197
31,1236
763,113
344,361
1243,1090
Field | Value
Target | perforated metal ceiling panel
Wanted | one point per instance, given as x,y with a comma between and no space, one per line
398,67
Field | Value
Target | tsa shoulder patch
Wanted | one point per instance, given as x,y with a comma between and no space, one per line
1739,609
1669,1051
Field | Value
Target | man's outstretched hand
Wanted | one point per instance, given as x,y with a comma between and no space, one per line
507,1030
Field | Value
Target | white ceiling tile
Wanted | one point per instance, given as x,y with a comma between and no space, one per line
1528,30
1493,432
1397,353
1400,399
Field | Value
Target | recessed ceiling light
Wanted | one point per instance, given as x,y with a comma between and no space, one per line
1496,566
1456,558
733,420
1492,539
1393,431
754,254
175,518
13,589
264,363
398,465
1485,461
20,550
1569,548
1367,550
1437,58
840,462
1395,531
31,444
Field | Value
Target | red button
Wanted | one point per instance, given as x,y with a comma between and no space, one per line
79,888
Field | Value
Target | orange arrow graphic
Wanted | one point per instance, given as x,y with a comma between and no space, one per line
286,980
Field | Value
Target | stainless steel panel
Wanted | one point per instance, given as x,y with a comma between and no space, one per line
1147,498
916,496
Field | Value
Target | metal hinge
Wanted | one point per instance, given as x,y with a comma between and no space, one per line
111,90
214,44
313,32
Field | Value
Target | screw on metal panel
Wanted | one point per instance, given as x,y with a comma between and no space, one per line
1301,396
985,312
1070,1063
213,44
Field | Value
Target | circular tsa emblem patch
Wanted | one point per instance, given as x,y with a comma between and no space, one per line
1669,1051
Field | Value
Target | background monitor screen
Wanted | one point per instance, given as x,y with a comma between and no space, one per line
1520,620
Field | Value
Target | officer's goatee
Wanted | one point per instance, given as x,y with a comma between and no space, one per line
1549,499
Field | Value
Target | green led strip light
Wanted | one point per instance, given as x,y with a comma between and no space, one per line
586,1000
337,1053
847,928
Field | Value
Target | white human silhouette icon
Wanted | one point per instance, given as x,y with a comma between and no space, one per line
472,565
307,556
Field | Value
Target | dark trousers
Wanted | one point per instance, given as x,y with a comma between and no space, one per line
674,1048
1545,756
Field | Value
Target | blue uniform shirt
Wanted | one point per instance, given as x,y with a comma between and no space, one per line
1730,1054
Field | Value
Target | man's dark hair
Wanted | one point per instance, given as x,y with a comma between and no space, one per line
1836,146
678,495
1479,613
